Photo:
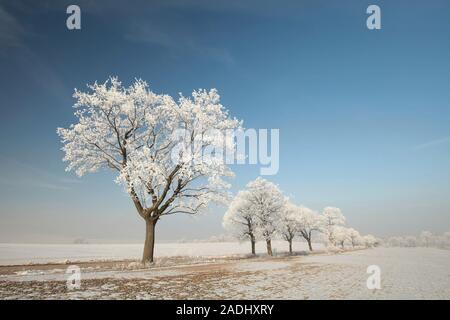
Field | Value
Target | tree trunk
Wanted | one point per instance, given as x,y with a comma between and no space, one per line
309,244
290,246
253,246
269,247
149,245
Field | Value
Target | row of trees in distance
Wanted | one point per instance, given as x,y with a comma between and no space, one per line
262,212
425,239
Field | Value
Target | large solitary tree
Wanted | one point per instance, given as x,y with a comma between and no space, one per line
164,152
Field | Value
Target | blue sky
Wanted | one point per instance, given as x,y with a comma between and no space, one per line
363,115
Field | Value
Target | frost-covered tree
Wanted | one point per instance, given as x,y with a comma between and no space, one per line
411,241
267,202
288,223
406,241
426,238
369,241
154,144
396,242
354,236
240,219
308,222
341,235
333,217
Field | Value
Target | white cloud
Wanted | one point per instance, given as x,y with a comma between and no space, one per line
432,143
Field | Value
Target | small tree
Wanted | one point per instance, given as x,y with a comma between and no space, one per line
354,236
332,217
266,202
157,147
307,223
288,223
395,242
369,241
240,219
426,238
411,241
340,235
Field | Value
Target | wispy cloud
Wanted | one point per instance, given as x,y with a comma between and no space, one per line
11,31
20,174
176,41
432,143
29,183
14,36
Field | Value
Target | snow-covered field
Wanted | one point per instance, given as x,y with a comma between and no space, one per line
406,273
12,254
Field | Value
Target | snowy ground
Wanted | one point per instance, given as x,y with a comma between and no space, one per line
406,273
